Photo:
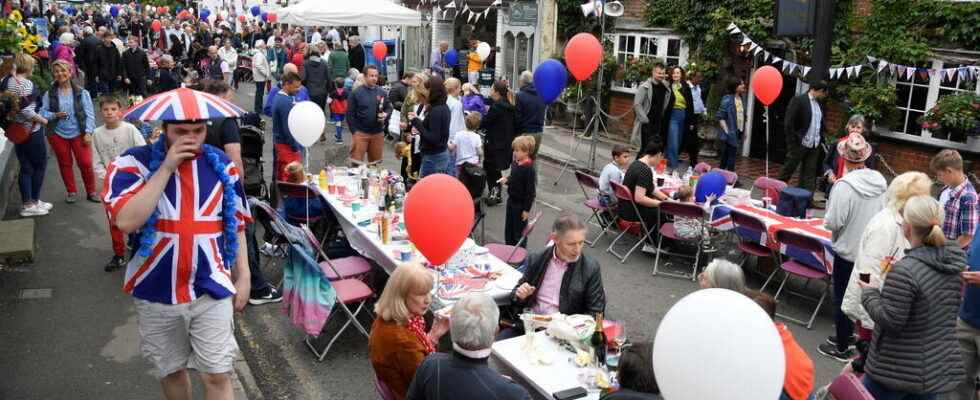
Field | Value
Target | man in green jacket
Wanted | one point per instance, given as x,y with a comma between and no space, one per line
338,61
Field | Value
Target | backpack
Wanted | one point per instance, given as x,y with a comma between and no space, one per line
339,104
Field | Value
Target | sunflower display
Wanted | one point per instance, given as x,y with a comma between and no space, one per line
15,36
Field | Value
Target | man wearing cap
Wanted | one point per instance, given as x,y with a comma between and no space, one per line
854,199
187,203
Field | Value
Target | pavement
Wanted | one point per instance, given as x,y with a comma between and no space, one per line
75,337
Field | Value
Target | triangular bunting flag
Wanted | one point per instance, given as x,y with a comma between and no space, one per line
497,3
881,65
776,60
753,46
909,73
850,72
766,56
857,70
900,69
451,4
732,27
757,51
746,40
923,73
950,73
470,18
806,70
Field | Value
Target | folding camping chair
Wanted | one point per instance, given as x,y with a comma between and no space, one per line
797,268
325,221
349,293
273,223
515,255
685,210
744,222
599,212
702,168
625,199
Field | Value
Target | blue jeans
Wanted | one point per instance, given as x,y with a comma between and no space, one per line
843,324
437,163
33,158
675,132
881,393
728,154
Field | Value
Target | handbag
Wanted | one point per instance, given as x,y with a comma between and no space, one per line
17,133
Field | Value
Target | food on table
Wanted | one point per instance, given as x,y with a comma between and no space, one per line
583,358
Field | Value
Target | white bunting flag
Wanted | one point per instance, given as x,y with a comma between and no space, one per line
950,73
746,40
881,65
835,73
766,56
732,27
757,51
499,2
909,73
776,60
806,70
857,70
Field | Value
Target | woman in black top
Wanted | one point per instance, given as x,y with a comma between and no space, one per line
498,126
636,379
434,130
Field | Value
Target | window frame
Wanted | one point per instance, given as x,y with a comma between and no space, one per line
662,39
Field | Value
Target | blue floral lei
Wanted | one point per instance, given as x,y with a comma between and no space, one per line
229,207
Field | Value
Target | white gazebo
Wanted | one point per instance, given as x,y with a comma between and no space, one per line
348,13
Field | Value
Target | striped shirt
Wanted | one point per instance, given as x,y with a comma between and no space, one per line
960,204
23,88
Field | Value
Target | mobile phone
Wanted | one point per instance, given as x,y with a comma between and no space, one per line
865,277
568,394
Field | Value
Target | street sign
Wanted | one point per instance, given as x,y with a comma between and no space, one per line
795,17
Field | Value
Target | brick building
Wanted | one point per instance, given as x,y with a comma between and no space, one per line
901,141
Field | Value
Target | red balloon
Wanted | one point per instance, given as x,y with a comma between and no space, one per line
184,14
767,82
273,17
582,55
380,49
438,216
155,25
241,18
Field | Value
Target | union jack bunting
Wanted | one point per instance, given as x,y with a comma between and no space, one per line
185,261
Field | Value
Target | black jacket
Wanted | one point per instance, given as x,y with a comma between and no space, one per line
661,101
356,57
85,54
498,125
108,62
135,64
798,116
434,130
581,287
316,77
362,109
396,96
455,376
530,111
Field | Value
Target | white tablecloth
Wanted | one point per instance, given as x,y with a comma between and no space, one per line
561,374
366,241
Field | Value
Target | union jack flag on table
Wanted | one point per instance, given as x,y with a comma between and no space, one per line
185,261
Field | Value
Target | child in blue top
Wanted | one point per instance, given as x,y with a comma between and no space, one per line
297,208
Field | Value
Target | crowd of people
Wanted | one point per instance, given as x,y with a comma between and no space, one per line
906,328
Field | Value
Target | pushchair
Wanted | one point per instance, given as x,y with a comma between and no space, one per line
243,72
253,142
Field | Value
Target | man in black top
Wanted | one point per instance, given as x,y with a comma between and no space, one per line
355,53
639,180
108,65
136,67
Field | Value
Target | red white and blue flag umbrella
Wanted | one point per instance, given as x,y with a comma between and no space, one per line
183,105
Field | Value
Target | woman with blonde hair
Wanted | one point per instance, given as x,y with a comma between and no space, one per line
70,134
398,341
914,352
882,244
31,151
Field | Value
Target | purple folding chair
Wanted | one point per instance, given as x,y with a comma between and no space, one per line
749,247
639,228
848,386
730,177
384,392
352,267
683,210
805,271
702,168
598,210
514,255
770,187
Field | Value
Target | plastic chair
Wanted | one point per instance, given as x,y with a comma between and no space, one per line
683,210
749,247
384,392
731,178
350,293
797,268
702,168
770,187
598,210
353,267
625,199
848,386
515,255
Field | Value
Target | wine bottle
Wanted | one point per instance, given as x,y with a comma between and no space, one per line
599,342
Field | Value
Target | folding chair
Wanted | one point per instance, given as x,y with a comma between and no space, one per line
598,210
479,214
271,221
349,293
744,222
702,168
515,255
306,193
731,178
797,268
770,187
685,210
353,267
624,198
848,386
384,392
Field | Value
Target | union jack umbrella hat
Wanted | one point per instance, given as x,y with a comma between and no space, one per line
183,104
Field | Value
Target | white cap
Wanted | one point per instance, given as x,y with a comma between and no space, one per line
67,38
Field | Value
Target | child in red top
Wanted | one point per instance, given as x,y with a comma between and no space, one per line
338,107
798,383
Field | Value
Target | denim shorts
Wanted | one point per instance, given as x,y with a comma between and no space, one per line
197,335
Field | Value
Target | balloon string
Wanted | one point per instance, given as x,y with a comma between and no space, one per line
767,141
306,166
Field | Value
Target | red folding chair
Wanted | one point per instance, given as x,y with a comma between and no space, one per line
746,243
770,187
352,267
730,177
702,168
350,293
685,210
805,271
599,211
514,255
639,228
848,386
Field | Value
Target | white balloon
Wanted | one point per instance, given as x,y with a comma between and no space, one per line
306,121
211,18
718,344
483,50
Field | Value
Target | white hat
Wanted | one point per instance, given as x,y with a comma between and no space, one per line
67,38
259,42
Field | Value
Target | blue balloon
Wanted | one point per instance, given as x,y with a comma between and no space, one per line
256,11
205,13
71,11
710,183
114,11
179,9
451,57
550,78
265,16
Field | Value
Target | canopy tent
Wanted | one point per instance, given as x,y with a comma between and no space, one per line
348,13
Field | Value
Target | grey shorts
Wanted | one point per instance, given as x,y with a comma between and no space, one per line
197,335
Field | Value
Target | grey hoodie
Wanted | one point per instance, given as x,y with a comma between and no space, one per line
854,200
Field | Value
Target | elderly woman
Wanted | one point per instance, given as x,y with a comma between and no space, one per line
464,374
882,244
398,341
724,274
70,107
66,51
833,165
636,378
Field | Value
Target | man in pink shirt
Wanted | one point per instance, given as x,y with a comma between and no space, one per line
559,278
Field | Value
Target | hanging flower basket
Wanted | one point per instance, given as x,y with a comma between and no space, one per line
955,114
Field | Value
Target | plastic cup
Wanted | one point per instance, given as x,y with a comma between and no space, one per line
356,206
405,255
342,189
331,188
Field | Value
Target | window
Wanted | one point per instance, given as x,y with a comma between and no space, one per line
916,96
626,46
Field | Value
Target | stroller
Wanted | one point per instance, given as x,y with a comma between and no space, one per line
243,72
253,142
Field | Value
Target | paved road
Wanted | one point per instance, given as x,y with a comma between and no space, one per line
80,341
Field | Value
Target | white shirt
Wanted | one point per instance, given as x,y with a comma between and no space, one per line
315,37
110,143
469,145
456,122
334,36
610,173
812,138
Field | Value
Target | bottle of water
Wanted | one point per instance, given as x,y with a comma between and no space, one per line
687,175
